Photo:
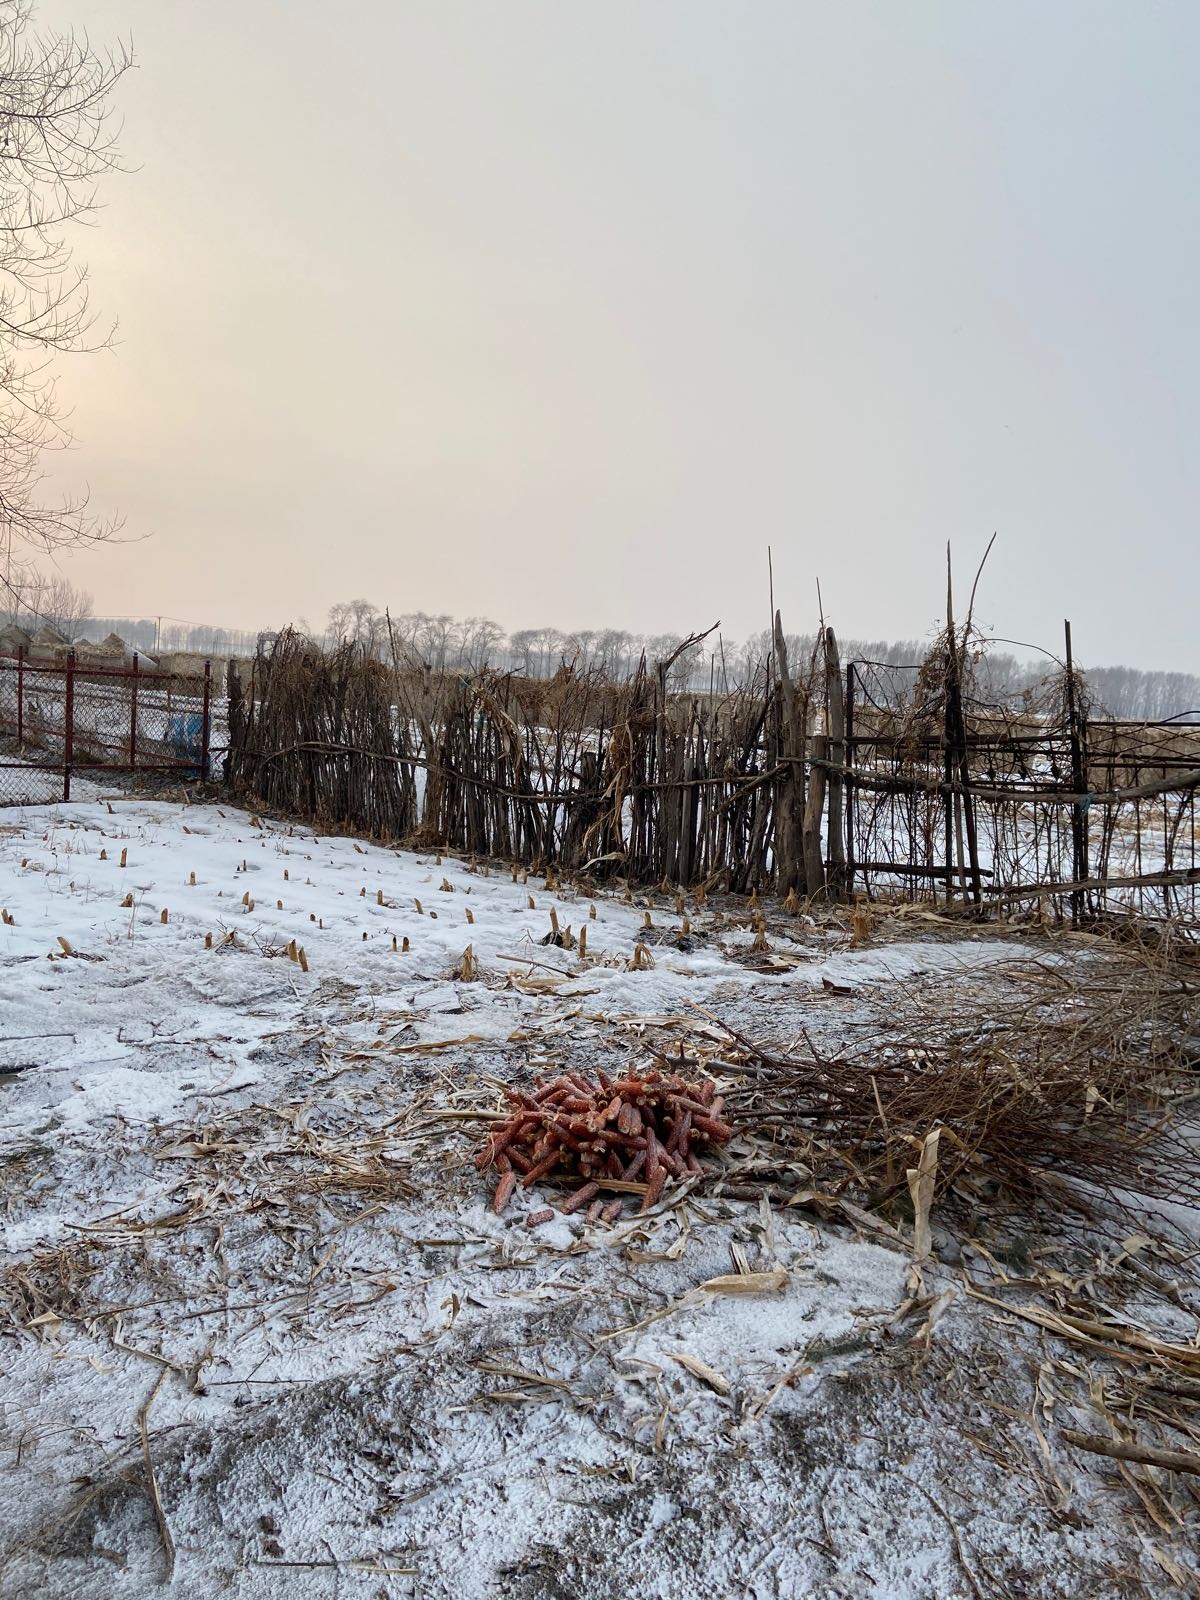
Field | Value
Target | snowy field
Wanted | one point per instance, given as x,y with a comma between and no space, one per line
261,1334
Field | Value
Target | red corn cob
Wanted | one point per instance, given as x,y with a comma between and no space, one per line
504,1191
627,1086
624,1141
541,1168
565,1135
629,1118
487,1155
720,1131
652,1149
679,1132
552,1094
579,1198
690,1103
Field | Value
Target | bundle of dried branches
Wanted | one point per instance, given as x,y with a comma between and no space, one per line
1070,1095
314,732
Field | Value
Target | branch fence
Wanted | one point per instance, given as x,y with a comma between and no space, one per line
825,782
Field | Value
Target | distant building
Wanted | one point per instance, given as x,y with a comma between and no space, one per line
110,652
13,639
48,641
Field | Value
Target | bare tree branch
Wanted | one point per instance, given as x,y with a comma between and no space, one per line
56,143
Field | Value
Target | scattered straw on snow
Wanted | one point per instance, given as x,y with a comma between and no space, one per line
259,1313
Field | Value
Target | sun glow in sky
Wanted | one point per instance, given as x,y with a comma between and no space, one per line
561,312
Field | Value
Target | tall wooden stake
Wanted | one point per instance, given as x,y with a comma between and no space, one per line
790,868
850,793
1079,843
69,726
835,712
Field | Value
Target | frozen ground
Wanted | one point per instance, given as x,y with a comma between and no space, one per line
262,1331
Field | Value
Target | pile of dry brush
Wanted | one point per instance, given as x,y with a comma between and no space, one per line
1075,1095
1072,1092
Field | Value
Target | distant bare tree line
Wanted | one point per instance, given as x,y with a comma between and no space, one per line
446,643
1156,696
449,644
31,599
162,635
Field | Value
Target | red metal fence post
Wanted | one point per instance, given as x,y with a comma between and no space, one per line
20,697
69,726
206,722
133,689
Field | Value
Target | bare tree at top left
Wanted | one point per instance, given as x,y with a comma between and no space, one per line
57,142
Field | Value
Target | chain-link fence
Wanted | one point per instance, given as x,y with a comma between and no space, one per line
68,722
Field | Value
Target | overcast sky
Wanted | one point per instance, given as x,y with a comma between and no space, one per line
562,312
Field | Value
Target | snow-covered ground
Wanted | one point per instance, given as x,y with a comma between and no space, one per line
262,1330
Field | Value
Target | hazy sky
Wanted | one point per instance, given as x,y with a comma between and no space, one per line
562,312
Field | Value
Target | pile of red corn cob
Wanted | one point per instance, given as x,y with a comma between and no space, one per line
639,1129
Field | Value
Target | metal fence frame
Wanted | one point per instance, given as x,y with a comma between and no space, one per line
1089,813
32,741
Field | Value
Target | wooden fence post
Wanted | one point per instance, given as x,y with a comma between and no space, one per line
957,730
849,789
133,698
791,870
236,714
21,697
959,805
69,726
814,865
948,806
206,722
835,711
1079,842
